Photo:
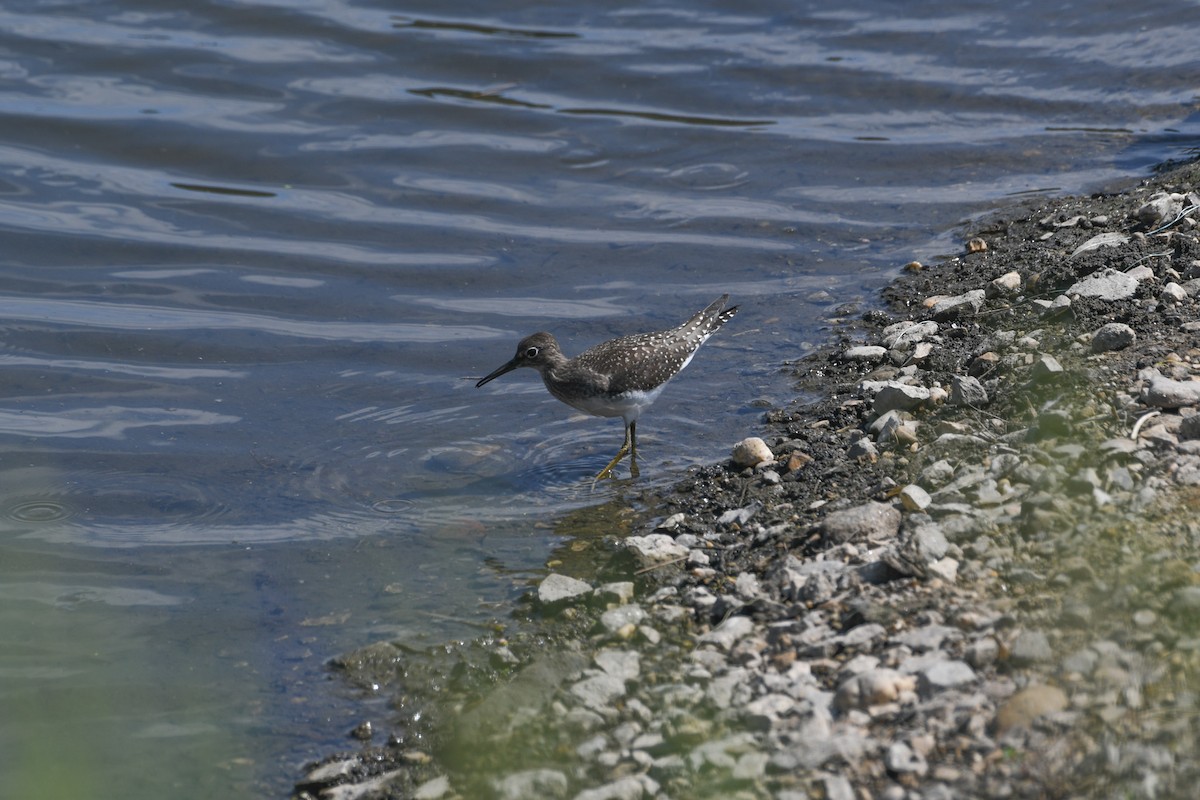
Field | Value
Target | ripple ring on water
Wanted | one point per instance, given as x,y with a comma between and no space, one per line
38,511
392,506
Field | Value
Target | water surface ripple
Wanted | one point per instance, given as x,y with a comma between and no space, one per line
256,253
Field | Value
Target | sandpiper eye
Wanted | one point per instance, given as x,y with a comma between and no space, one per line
532,352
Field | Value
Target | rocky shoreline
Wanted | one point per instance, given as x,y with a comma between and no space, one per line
965,566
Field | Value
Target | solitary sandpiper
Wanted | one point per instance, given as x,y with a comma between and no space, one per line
621,377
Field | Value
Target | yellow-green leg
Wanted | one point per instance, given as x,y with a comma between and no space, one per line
630,446
633,470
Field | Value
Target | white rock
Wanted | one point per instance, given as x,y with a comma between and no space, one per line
623,664
751,767
957,306
728,632
894,395
747,586
897,431
983,652
1140,273
630,787
1046,368
945,675
1006,285
618,592
873,688
862,448
762,712
561,588
728,689
751,452
838,787
927,637
967,391
1113,336
924,544
901,758
944,568
1106,285
1056,307
328,772
868,522
1165,393
739,516
531,783
620,617
1162,207
1173,293
721,754
921,351
914,498
938,473
655,548
434,789
902,335
672,522
888,420
1110,239
599,691
871,353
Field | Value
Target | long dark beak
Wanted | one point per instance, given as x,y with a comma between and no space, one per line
509,367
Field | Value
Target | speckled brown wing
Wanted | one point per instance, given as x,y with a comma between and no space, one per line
645,361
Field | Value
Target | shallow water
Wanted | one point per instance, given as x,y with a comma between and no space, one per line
256,254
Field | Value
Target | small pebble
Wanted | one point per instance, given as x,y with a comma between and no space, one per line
751,452
1113,336
914,498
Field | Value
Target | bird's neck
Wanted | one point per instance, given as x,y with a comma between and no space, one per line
554,363
556,370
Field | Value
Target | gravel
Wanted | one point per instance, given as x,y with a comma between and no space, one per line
980,580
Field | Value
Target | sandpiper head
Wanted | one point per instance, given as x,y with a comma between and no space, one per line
537,350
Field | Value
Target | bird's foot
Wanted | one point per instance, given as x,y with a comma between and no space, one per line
604,473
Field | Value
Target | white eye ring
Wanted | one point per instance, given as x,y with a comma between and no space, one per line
531,352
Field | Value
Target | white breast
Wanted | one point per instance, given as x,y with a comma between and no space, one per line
628,405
